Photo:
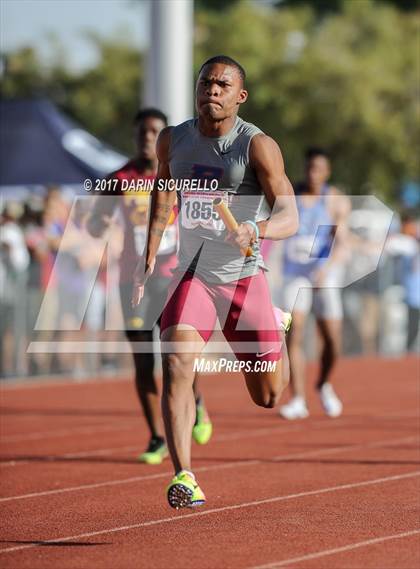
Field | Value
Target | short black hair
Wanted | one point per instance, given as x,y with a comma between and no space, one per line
314,151
226,60
407,216
148,113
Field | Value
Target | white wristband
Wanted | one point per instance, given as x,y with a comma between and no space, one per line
255,227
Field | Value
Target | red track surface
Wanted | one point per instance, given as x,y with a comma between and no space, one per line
318,493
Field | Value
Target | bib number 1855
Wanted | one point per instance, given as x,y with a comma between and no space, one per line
199,211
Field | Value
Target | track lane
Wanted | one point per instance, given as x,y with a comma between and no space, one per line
279,530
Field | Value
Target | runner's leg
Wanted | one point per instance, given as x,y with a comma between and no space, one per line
178,401
330,331
266,387
254,335
187,323
297,355
145,381
328,308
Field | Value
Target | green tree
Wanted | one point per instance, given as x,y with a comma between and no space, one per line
324,7
22,74
347,82
103,99
215,5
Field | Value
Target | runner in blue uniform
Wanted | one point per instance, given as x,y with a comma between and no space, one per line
313,273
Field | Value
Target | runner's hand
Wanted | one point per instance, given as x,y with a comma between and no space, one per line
97,224
141,274
242,237
319,277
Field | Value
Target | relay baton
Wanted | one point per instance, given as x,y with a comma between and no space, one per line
228,219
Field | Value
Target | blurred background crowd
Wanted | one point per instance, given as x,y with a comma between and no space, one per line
341,74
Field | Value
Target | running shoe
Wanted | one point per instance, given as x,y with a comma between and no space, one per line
283,319
184,492
295,409
203,427
329,400
287,322
155,453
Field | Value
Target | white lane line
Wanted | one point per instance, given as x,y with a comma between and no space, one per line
168,474
38,382
348,448
87,429
250,434
342,422
325,552
64,432
72,455
227,436
321,424
248,462
218,438
318,425
178,518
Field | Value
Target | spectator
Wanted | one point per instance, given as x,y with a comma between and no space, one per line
37,245
14,261
405,247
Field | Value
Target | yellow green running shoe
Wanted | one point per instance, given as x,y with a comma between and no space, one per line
184,492
155,453
287,321
203,427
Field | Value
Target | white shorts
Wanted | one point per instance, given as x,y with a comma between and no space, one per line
95,312
299,295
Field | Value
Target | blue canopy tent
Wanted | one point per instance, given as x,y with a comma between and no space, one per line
41,146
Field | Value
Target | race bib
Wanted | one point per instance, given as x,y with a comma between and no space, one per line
197,210
168,242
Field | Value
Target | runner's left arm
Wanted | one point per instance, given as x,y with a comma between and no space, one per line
341,213
341,237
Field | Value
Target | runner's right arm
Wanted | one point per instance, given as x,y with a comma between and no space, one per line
161,206
162,202
100,217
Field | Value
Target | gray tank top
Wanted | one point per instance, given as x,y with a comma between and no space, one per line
192,156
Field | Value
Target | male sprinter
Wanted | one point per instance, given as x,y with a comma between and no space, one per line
214,279
139,321
313,271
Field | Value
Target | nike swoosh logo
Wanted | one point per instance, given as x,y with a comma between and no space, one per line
265,353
